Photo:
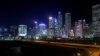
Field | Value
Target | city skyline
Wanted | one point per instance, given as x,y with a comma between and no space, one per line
50,27
16,12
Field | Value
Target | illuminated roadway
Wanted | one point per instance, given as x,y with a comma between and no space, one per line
88,49
93,50
67,44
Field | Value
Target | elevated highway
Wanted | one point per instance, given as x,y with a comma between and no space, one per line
80,49
83,49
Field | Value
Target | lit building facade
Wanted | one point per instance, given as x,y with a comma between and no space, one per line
71,32
87,31
78,29
42,30
84,27
67,23
56,27
36,30
22,30
1,31
5,32
29,32
64,32
51,28
13,31
96,20
60,24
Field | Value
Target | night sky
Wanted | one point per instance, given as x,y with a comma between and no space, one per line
14,12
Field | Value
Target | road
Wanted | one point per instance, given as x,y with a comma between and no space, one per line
88,49
29,46
67,44
92,50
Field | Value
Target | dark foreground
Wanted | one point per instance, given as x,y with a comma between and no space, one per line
17,48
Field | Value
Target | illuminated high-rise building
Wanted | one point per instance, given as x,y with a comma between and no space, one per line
5,32
13,31
51,28
84,26
36,24
78,29
42,30
29,32
36,29
87,30
60,23
1,31
22,30
67,23
71,32
96,20
64,32
34,32
56,27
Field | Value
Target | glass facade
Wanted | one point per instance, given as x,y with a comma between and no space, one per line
67,23
96,20
22,30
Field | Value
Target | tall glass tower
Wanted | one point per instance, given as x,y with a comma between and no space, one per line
56,27
22,30
67,23
51,28
60,24
78,29
96,20
42,30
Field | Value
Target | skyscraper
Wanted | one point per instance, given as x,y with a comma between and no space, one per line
96,20
1,31
13,31
71,32
29,32
64,32
36,30
51,28
78,29
87,31
42,30
22,30
67,23
56,27
84,26
60,23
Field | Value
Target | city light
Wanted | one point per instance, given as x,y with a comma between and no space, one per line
83,20
45,32
62,30
50,18
78,54
42,29
71,32
35,22
55,20
37,37
56,27
22,30
42,24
